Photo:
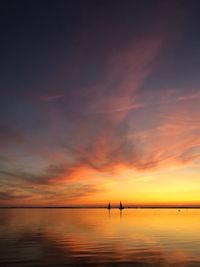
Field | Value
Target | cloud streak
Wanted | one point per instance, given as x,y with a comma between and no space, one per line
112,112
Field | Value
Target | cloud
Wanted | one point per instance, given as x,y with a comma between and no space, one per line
72,193
51,98
126,73
170,140
11,196
52,173
53,187
9,134
103,145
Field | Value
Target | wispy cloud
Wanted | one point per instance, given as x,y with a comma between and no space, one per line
9,134
51,97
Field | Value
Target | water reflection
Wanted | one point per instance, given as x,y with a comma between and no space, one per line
97,237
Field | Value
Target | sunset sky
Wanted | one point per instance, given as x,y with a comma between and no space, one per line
99,102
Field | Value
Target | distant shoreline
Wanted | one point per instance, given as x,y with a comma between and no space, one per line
128,207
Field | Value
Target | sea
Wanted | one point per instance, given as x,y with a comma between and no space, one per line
99,237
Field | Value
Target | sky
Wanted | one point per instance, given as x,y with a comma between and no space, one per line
99,102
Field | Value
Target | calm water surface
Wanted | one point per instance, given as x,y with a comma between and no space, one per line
95,237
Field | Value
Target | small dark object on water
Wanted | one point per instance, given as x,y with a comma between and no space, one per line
120,206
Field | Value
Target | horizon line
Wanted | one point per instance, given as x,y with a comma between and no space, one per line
105,207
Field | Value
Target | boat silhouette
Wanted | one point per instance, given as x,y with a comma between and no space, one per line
109,206
121,207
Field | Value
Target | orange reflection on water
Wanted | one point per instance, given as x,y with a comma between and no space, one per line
62,236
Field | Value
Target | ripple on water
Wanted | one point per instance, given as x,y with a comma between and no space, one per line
77,238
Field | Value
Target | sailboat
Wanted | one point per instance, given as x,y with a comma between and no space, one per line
109,206
121,207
